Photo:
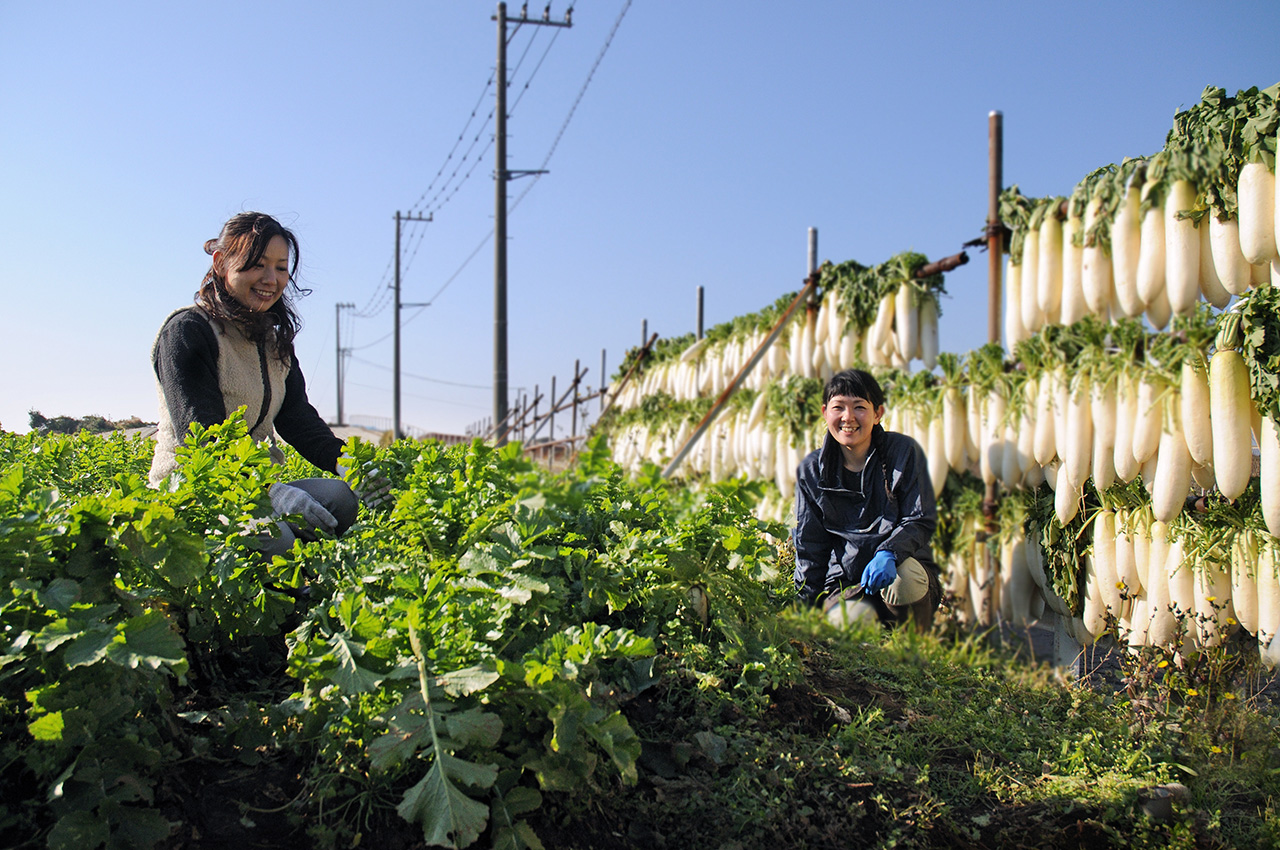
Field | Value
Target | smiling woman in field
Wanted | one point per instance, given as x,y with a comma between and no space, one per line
234,348
865,514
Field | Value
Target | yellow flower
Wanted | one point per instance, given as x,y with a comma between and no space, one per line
1192,692
1215,750
1230,696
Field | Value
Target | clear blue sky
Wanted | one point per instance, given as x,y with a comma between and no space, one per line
711,138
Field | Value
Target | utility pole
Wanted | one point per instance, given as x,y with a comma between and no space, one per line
337,336
500,177
395,404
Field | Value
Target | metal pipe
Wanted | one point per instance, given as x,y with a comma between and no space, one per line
995,235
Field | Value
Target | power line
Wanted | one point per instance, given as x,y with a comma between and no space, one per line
581,92
424,377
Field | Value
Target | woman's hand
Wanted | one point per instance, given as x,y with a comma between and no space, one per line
287,500
881,572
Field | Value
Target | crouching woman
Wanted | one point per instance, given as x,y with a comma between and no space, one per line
233,348
865,514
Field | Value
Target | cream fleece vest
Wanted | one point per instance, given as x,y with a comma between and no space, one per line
247,375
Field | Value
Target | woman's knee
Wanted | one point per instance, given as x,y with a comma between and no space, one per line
337,497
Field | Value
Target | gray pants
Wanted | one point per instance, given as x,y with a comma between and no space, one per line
337,498
913,596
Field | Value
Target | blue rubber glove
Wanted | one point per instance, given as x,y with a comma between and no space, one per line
881,572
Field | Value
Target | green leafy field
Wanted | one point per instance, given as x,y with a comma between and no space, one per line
505,657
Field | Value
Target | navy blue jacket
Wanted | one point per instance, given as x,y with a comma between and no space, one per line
843,518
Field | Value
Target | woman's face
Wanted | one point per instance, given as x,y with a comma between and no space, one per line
850,421
260,286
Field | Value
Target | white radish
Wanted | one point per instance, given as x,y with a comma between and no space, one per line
1244,587
1256,205
1173,469
929,342
1211,286
1095,265
906,318
1233,269
1126,241
1126,465
1073,307
1151,255
1049,271
1182,249
1269,474
1194,406
1163,623
1032,315
1232,438
1147,420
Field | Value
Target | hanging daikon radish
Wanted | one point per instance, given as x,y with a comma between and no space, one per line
973,419
1102,406
1210,284
1139,525
906,319
1025,433
1228,260
1148,412
1126,556
1260,275
1256,212
1214,608
1095,263
1073,307
1173,468
822,322
1182,584
1244,587
954,427
1032,316
1044,447
1126,465
1104,560
1163,623
1195,408
989,464
1066,499
1049,270
1182,249
1159,312
1020,588
1014,331
1061,401
795,350
1231,405
937,455
883,325
1126,241
807,346
1151,246
849,344
1078,448
1010,472
1269,473
929,344
1268,593
1095,607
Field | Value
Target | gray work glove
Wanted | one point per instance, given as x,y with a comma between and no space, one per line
287,500
374,489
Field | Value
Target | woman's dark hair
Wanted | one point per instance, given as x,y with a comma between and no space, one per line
854,383
243,240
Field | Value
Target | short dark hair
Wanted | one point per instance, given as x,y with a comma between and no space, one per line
854,383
